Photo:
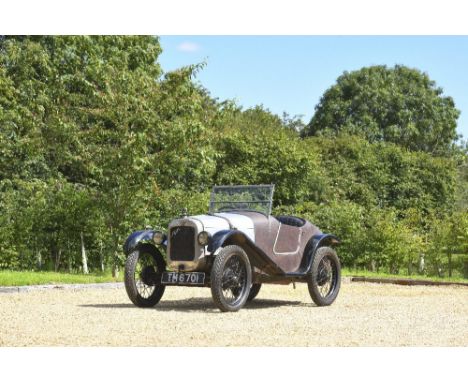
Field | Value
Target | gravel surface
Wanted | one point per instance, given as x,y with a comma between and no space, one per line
31,288
363,315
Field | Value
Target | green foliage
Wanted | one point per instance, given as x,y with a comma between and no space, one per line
259,150
399,105
461,190
386,175
448,249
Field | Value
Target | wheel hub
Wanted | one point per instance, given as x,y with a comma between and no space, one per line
149,275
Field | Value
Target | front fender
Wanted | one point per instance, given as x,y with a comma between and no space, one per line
137,237
218,239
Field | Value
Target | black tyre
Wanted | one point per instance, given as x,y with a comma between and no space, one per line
254,291
231,277
143,271
324,279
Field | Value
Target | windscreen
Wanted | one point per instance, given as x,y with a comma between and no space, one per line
242,198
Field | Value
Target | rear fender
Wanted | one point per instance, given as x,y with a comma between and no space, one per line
257,257
137,237
317,241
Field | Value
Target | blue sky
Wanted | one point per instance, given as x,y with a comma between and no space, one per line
290,73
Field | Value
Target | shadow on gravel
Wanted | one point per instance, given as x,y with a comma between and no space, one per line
261,304
201,304
108,306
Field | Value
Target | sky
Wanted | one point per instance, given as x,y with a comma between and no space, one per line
290,73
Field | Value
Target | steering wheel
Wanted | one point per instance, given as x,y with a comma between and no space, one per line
226,208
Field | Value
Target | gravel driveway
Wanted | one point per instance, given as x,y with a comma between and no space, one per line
363,315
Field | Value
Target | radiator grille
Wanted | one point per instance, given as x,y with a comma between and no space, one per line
182,243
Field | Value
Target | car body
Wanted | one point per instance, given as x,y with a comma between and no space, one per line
268,249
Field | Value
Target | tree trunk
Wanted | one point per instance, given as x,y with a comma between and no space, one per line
83,255
373,265
70,263
115,266
115,262
450,264
422,266
101,257
39,260
57,259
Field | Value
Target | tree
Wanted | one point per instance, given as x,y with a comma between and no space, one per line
385,175
399,105
461,193
256,148
448,249
79,106
94,114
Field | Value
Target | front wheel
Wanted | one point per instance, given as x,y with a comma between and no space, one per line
231,278
324,279
143,271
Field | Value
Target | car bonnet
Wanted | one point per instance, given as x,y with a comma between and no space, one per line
224,221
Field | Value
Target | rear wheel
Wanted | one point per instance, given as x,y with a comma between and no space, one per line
143,271
254,291
231,277
324,279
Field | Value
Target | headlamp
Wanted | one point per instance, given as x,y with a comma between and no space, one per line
203,238
158,237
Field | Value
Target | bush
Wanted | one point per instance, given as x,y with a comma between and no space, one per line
280,158
10,258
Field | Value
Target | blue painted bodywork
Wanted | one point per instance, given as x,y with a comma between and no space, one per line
139,236
219,238
323,239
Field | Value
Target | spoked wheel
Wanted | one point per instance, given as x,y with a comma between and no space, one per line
324,280
231,277
143,271
254,291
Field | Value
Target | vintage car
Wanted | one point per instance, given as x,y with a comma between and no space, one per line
233,249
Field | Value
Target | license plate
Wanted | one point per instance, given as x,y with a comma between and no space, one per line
183,278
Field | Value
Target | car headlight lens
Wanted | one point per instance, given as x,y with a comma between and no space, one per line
158,237
203,238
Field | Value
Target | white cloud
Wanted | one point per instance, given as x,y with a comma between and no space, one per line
188,46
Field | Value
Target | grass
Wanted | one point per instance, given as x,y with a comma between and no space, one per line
358,272
16,278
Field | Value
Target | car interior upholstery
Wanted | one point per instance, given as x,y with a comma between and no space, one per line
290,220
